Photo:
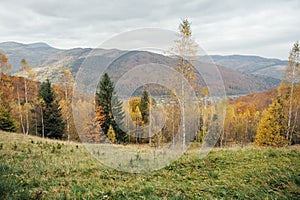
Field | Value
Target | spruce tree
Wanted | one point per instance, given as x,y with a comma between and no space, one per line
145,106
6,122
54,125
111,108
47,93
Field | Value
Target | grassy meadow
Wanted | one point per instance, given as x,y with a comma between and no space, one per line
36,168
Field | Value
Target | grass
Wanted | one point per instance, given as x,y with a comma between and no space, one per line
35,168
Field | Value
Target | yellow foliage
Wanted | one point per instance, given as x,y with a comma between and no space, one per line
272,127
111,135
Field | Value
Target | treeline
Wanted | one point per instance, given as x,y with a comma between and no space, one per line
280,124
268,119
271,118
35,108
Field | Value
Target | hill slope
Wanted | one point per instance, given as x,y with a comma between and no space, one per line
35,54
36,168
260,100
251,64
48,60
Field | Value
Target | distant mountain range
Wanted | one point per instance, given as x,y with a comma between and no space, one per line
251,64
241,74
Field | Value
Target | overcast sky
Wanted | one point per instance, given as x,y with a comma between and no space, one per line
265,28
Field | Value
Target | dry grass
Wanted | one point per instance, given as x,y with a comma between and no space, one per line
36,168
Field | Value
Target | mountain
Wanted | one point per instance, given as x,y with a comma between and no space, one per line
35,54
270,67
47,61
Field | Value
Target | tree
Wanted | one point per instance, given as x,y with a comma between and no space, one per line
99,117
291,77
185,47
145,106
29,73
7,83
230,123
6,122
66,82
203,104
111,108
296,127
20,112
272,127
52,117
118,116
111,135
4,66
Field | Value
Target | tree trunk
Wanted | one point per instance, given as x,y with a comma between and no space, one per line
173,128
20,110
67,112
150,121
295,121
291,103
26,107
36,123
43,127
183,115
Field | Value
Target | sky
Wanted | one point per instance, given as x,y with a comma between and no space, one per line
264,28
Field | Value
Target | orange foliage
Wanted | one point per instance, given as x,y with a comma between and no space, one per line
260,100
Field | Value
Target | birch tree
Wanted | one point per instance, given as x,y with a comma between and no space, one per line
66,81
185,47
287,90
293,73
29,74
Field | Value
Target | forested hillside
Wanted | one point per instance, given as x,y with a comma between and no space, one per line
47,62
21,98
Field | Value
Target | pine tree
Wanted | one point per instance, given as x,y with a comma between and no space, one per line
111,108
145,106
272,127
52,117
6,122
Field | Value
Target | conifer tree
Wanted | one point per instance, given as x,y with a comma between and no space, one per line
111,108
145,106
52,117
6,122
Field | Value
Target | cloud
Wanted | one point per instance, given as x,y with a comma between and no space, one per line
265,28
